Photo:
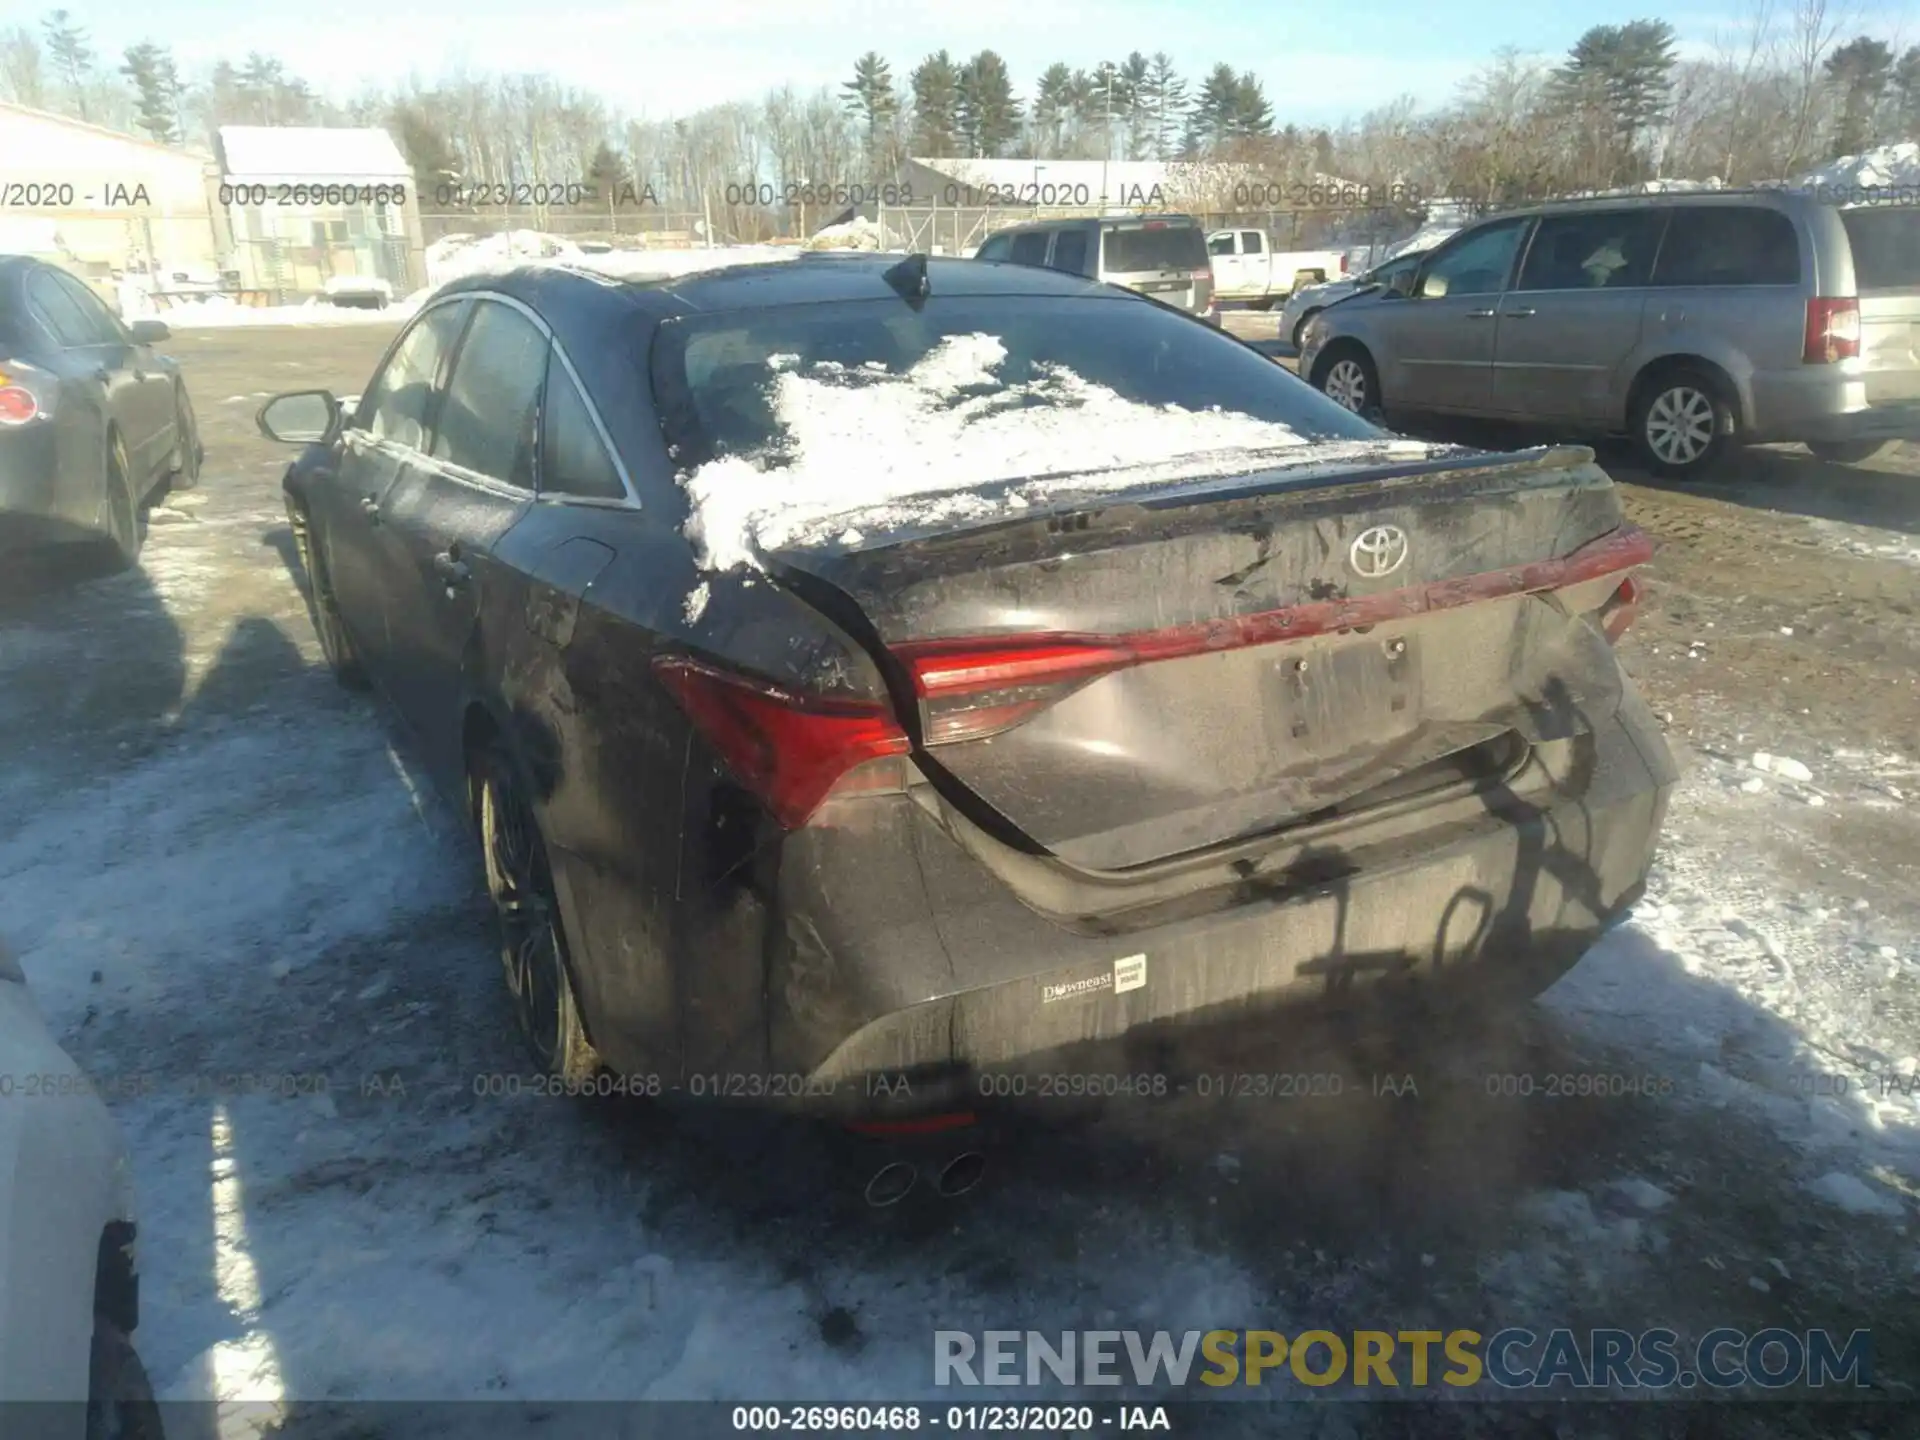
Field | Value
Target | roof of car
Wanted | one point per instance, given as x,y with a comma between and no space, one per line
1067,221
807,279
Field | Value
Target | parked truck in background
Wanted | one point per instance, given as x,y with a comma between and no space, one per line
1247,267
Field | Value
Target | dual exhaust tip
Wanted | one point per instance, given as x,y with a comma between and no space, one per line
893,1182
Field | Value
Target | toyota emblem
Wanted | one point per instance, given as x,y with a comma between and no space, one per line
1378,551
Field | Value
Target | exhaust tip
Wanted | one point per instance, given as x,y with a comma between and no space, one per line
963,1172
891,1184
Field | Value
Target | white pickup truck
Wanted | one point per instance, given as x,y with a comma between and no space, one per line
1247,267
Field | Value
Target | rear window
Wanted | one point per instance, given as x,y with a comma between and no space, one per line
744,384
1728,245
1070,251
1132,249
1886,246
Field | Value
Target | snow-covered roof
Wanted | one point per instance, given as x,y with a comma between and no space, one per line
310,152
81,127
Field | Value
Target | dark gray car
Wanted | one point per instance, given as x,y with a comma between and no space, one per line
1001,783
92,420
1691,322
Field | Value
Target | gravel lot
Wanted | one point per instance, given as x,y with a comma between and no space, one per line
223,868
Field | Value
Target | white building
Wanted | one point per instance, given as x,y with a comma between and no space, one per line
100,202
309,205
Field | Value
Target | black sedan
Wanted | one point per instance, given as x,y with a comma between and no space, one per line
858,668
92,421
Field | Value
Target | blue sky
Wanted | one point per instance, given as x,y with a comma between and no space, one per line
1321,62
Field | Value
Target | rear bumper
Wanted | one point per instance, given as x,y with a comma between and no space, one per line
961,982
35,510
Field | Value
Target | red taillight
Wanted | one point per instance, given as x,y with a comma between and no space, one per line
1206,274
18,405
1343,262
1622,609
972,689
1154,225
1833,331
787,748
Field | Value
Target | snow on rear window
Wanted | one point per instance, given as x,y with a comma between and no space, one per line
802,425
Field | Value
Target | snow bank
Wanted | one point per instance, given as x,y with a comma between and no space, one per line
452,256
1885,166
899,450
858,233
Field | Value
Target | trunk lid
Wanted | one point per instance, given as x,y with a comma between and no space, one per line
1885,241
1124,679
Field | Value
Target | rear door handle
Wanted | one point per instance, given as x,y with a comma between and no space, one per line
1520,314
1479,314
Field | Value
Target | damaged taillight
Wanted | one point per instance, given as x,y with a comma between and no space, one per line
1622,609
972,689
790,749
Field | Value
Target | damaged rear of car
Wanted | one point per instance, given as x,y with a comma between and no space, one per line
1065,675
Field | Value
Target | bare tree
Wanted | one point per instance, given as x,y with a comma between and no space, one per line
1814,26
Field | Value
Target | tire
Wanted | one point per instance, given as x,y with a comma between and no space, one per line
1300,327
335,644
120,1403
188,452
1346,376
1847,452
533,945
1682,424
124,534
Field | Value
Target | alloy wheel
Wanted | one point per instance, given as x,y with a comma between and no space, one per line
1347,385
1679,425
521,888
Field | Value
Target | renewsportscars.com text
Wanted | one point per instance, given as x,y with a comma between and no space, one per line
1512,1359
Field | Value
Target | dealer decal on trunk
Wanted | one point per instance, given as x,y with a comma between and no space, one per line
1127,974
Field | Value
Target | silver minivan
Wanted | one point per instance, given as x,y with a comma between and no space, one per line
1692,322
1162,256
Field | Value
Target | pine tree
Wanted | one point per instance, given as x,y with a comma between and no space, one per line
869,95
936,103
987,115
1251,114
430,154
156,87
1167,105
1614,88
1135,73
1906,93
1862,69
1211,122
72,55
1053,108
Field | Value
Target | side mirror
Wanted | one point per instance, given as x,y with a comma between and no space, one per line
148,332
299,417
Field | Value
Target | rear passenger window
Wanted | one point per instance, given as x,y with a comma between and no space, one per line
1250,243
1605,250
487,418
1030,248
573,459
1728,245
1070,252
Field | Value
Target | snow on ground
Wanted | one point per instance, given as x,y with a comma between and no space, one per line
263,891
897,450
